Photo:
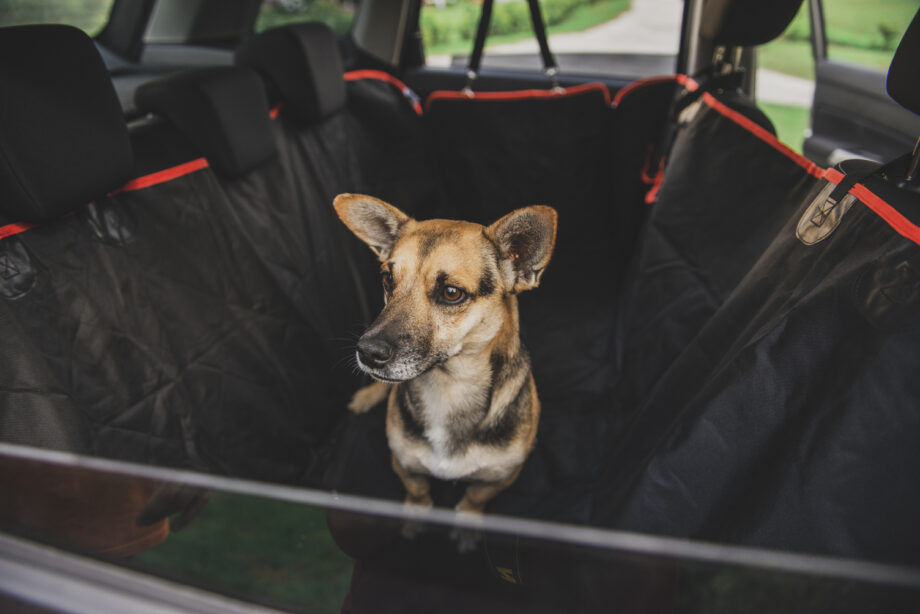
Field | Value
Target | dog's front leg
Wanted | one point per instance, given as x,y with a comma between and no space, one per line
474,502
369,396
418,497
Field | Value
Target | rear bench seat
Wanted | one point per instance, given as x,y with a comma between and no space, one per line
220,281
147,310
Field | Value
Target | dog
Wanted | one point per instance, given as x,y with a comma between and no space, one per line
446,350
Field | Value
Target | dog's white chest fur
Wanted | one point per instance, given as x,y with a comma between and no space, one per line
440,401
476,462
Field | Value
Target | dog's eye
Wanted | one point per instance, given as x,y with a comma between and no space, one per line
452,295
387,279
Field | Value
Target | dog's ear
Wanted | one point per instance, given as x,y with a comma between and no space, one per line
525,238
375,222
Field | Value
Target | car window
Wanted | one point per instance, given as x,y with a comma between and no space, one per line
786,80
337,15
866,33
857,32
293,549
88,15
631,38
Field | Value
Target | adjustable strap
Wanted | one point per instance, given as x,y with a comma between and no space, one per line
707,83
826,210
539,29
482,31
658,156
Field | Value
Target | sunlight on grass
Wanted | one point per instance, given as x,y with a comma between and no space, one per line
790,122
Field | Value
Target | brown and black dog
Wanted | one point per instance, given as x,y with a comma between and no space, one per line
446,347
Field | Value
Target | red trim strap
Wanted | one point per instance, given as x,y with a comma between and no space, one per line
14,229
688,83
645,175
764,135
167,174
892,216
519,94
380,75
652,195
139,183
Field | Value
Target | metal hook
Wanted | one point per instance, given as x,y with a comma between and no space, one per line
468,88
553,73
914,166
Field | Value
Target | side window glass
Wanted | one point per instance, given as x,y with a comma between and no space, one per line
786,80
866,33
88,15
336,14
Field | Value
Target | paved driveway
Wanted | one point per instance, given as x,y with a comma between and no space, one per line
653,26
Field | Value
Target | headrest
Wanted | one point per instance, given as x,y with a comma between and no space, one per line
904,73
223,110
63,140
303,68
744,23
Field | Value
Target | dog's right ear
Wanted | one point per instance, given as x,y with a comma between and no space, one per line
525,238
375,222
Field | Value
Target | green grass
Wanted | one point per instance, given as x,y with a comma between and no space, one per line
257,547
581,18
866,24
88,15
790,122
330,12
588,15
858,31
790,57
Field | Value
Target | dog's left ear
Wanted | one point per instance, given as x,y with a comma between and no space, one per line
525,238
375,222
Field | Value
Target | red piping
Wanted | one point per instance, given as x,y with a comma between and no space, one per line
810,167
167,174
139,183
355,75
14,229
520,94
652,195
892,216
684,80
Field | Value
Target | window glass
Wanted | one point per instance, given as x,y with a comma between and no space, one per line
861,32
302,550
786,80
866,32
88,15
337,14
631,38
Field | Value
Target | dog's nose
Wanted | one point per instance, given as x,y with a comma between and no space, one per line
374,352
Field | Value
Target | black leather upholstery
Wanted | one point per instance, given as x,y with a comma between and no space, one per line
63,141
223,110
303,68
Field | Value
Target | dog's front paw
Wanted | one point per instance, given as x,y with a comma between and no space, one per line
467,539
416,508
412,529
368,397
